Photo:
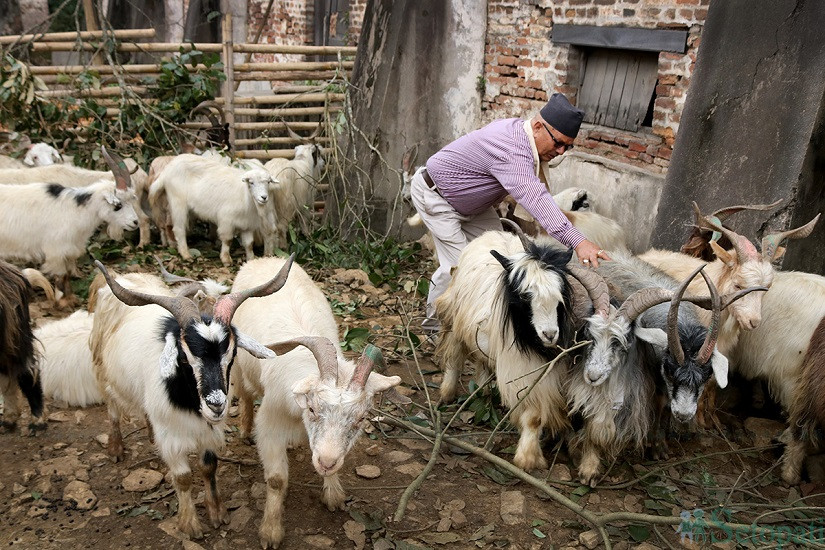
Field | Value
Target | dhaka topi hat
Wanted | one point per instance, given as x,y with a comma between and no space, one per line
562,116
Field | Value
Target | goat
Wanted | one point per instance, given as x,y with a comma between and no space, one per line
231,198
790,360
52,223
310,394
39,154
18,358
175,370
72,176
740,268
294,196
506,304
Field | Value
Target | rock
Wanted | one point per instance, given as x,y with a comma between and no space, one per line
319,541
349,276
258,490
398,456
170,527
646,546
591,539
383,544
368,471
103,439
411,469
58,446
355,532
239,518
560,472
80,493
512,507
189,545
102,513
79,417
28,475
763,430
142,479
60,416
61,466
372,450
631,503
82,475
18,489
37,511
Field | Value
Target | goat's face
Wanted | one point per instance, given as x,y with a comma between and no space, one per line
119,211
258,182
42,154
685,383
609,348
542,289
754,272
208,347
334,416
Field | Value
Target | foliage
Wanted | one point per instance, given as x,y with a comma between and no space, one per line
486,405
383,259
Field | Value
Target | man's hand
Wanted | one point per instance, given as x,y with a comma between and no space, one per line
589,254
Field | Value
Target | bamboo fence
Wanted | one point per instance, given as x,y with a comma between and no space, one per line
262,120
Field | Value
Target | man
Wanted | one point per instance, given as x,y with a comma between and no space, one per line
456,192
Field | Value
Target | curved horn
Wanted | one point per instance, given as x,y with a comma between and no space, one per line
323,350
744,248
183,309
226,305
315,133
596,289
171,279
293,135
204,106
705,302
673,342
118,168
641,300
525,242
703,356
724,213
370,357
771,242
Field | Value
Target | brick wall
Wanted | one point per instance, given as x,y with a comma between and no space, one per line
522,65
290,22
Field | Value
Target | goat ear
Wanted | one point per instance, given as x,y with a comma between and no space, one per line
653,336
569,255
301,388
378,382
168,360
255,348
28,161
719,364
779,253
503,260
723,254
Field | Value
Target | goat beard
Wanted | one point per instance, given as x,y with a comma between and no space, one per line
115,233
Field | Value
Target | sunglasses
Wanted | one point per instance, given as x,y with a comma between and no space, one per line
557,143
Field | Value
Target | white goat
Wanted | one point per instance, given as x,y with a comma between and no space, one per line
322,399
52,223
174,369
231,198
66,360
294,196
73,176
42,154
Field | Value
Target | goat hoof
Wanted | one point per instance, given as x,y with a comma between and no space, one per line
8,427
531,463
219,517
192,528
271,537
35,427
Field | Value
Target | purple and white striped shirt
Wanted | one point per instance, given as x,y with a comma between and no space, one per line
478,170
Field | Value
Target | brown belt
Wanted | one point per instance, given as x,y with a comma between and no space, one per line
429,181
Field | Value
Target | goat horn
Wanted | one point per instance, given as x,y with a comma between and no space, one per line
642,300
183,309
293,135
525,242
705,302
169,278
226,305
118,168
596,288
770,243
724,213
323,350
315,133
744,248
370,357
703,356
204,107
673,342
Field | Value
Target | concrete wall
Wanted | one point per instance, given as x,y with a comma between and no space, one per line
628,195
752,128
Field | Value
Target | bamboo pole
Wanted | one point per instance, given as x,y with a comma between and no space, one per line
102,92
299,111
289,98
102,69
167,47
308,66
272,154
271,125
295,66
229,83
275,141
79,35
293,75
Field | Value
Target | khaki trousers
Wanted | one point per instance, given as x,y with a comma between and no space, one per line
451,232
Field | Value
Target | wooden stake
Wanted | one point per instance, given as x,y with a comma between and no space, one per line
91,25
229,83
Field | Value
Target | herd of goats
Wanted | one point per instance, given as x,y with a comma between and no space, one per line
618,346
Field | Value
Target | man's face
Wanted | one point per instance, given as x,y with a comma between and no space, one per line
550,143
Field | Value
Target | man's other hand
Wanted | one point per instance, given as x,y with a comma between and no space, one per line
589,254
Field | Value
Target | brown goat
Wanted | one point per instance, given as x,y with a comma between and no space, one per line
18,361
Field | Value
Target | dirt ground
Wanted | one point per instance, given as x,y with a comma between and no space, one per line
464,502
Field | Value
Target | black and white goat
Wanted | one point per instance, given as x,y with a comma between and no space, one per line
175,370
18,359
507,308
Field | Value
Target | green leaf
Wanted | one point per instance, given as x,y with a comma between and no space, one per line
638,533
137,511
539,534
500,477
36,495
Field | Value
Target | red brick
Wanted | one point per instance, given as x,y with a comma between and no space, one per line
686,13
645,157
690,2
664,152
664,91
668,79
506,60
524,62
632,154
535,84
636,146
700,14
